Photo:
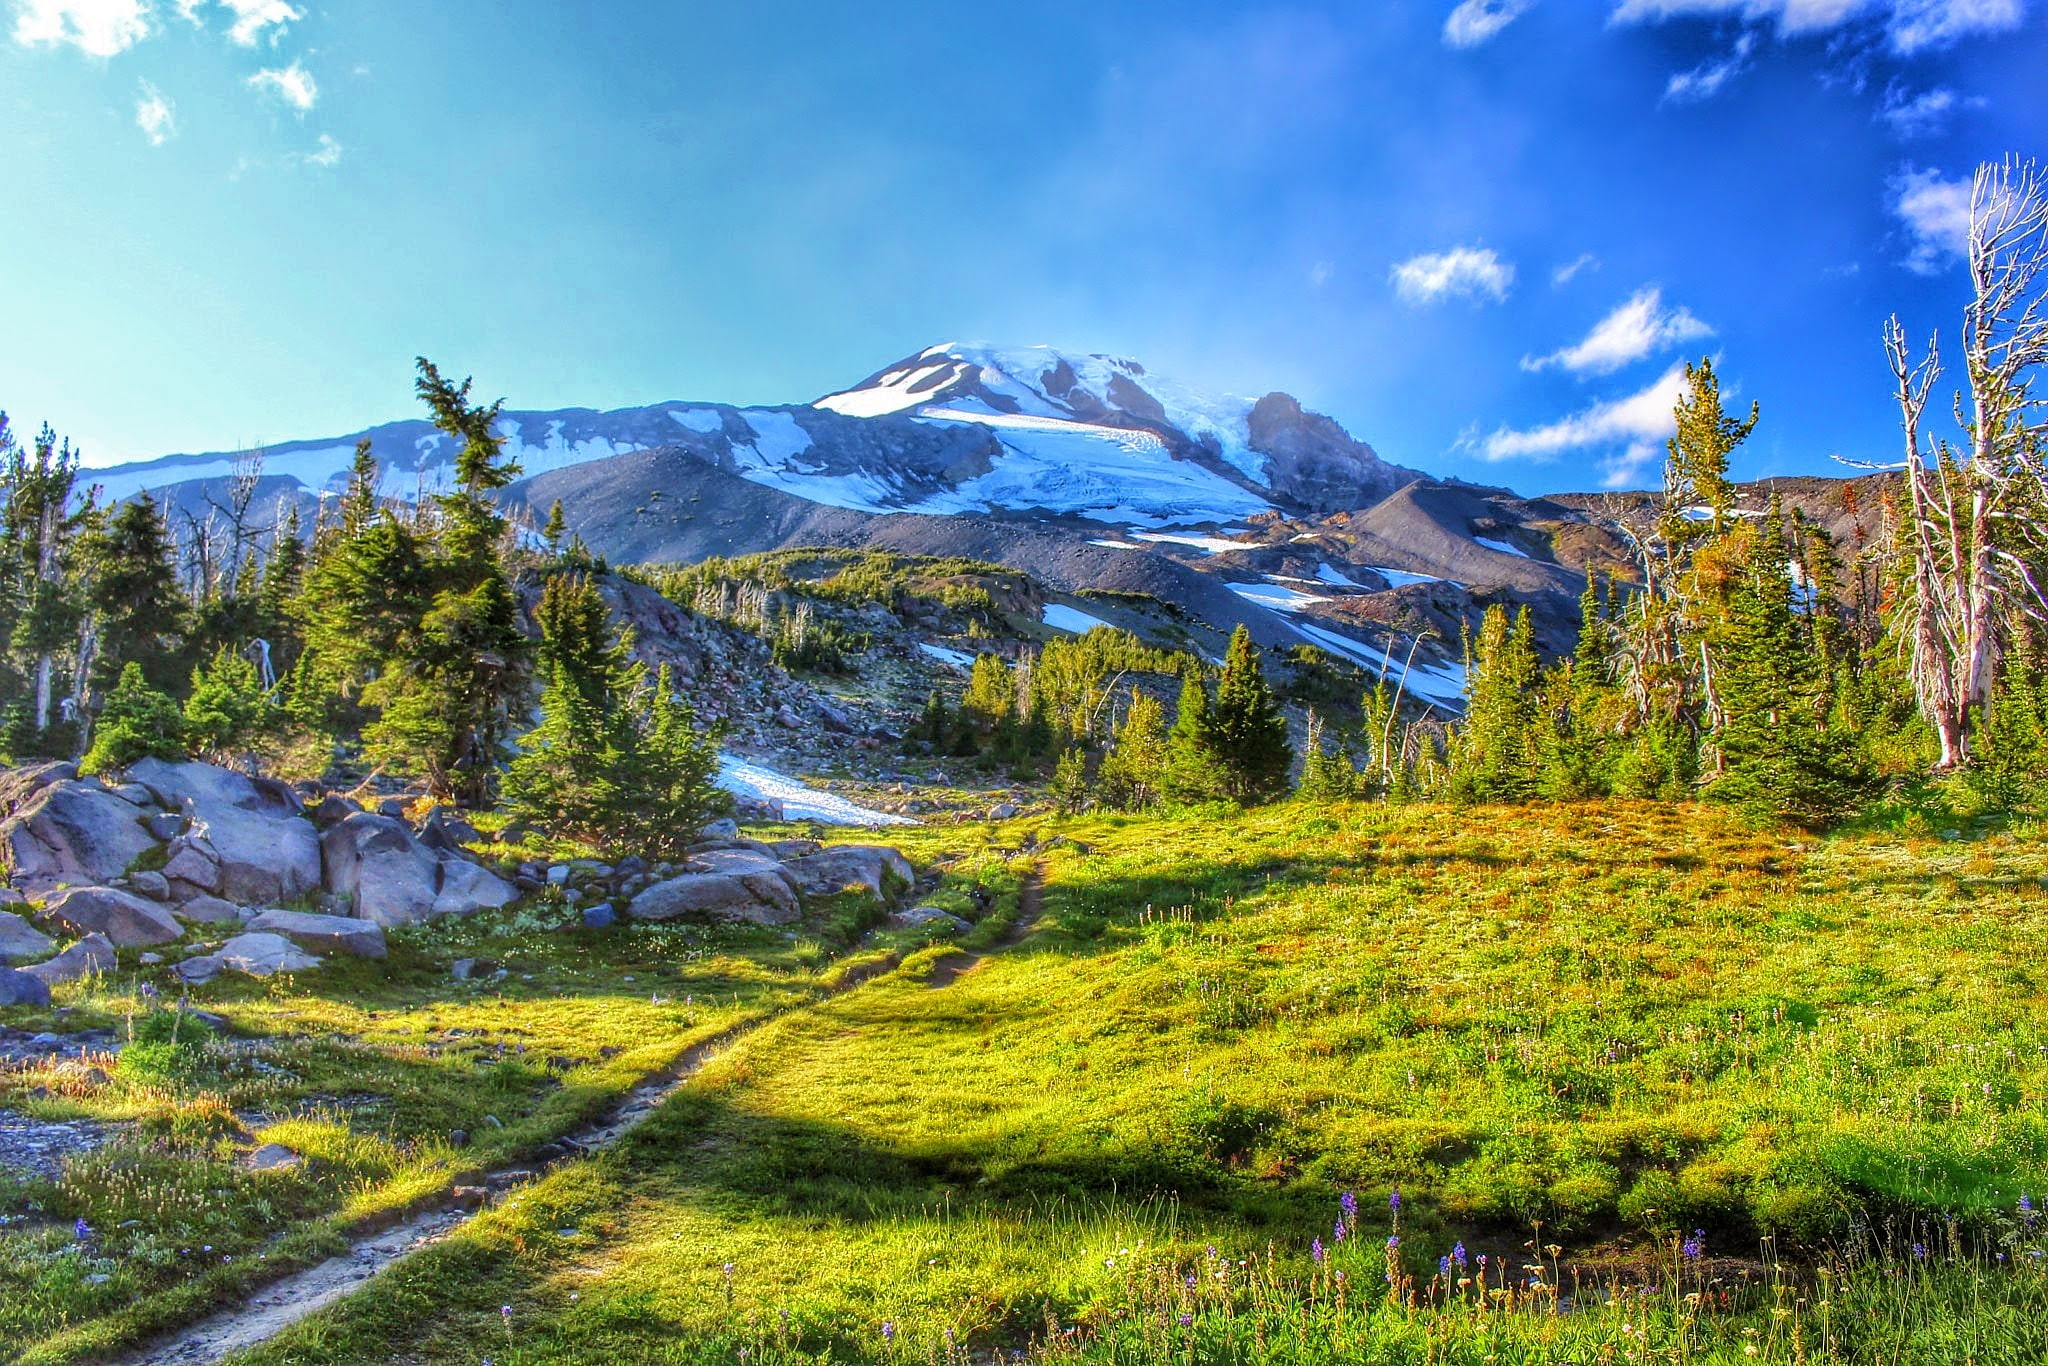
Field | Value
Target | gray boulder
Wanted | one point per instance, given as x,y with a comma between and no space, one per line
445,833
724,828
762,874
155,886
255,827
193,864
324,933
126,920
21,942
204,909
70,832
20,989
376,863
466,887
917,917
258,955
92,954
713,896
875,869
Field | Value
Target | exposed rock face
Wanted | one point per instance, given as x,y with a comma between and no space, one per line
22,989
1314,461
767,879
70,832
466,887
258,955
128,921
255,828
919,916
879,871
21,942
94,953
713,896
324,933
385,873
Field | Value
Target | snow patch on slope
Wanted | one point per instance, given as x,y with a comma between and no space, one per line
799,802
1061,617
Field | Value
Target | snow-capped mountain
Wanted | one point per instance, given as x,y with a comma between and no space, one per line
954,429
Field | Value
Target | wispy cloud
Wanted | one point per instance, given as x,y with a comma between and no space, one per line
254,16
1462,272
1627,432
1321,273
1704,81
293,84
1924,114
1569,271
328,153
1936,213
1910,25
1476,21
1638,328
98,28
155,115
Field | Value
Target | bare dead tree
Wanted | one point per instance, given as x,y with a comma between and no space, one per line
243,478
1972,524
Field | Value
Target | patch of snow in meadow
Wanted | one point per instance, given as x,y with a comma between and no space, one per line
1325,574
1503,547
1214,545
799,801
1276,596
1401,578
1061,617
959,659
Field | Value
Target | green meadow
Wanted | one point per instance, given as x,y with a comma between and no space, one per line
1651,1086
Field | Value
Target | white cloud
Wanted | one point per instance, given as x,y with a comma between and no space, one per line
253,16
1321,273
1468,272
98,28
1921,115
1476,21
155,115
292,84
1566,273
1937,213
1704,81
1628,432
1638,328
1911,25
328,153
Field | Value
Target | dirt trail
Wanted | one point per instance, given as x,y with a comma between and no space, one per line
1030,904
277,1305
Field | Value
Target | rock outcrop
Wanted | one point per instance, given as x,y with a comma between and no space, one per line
741,881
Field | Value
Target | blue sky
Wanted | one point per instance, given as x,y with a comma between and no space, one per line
1481,235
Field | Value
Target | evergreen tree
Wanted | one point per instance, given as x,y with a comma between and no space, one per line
137,722
1193,773
1133,775
670,775
1069,788
227,708
38,539
1246,729
991,697
1696,474
1495,755
138,612
1325,776
283,579
934,725
1780,759
556,533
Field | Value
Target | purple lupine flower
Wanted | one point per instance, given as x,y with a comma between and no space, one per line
1186,1319
1315,1250
1349,1204
1443,1266
1692,1246
1458,1254
1393,1241
888,1330
1337,1233
1920,1251
1394,1201
81,1230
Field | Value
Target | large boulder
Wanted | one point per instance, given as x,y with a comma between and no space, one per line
20,989
375,862
766,878
126,920
90,955
714,896
323,933
255,828
874,869
466,887
258,955
21,942
69,832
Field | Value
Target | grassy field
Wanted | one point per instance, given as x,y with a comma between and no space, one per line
1651,1086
